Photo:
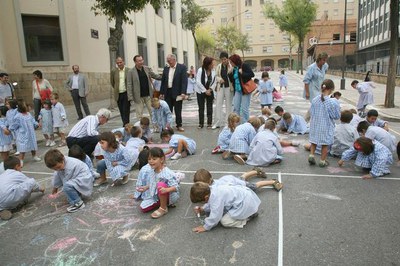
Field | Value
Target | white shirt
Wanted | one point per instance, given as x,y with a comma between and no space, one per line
85,127
75,84
171,75
122,87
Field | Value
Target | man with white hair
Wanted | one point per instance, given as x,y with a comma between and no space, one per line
85,133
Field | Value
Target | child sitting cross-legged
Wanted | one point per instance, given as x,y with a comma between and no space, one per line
225,135
72,175
179,143
232,206
15,187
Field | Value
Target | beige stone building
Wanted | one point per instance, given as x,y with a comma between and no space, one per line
53,35
269,46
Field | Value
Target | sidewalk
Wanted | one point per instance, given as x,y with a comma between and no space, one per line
351,95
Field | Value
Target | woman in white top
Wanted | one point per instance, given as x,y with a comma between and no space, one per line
41,89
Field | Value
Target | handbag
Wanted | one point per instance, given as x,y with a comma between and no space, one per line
44,94
248,87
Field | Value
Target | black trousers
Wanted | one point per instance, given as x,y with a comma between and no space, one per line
124,107
37,106
86,143
202,99
174,105
78,100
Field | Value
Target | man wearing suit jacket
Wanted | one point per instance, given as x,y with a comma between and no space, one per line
140,86
173,84
78,85
118,79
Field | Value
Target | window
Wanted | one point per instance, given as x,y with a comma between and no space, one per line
159,11
271,25
325,14
262,26
185,58
271,37
249,51
249,27
160,55
223,9
250,39
285,49
336,37
42,38
248,3
172,12
353,36
142,47
335,12
350,12
247,15
335,1
262,38
285,37
175,52
267,49
223,20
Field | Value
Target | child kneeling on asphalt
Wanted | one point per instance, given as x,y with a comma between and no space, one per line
71,174
15,187
231,205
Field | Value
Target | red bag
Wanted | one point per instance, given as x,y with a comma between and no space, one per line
44,94
248,87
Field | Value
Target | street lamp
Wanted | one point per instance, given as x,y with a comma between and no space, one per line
343,81
226,25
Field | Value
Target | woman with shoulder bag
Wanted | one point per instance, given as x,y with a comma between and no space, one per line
41,90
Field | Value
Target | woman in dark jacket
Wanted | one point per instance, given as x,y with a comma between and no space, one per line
241,72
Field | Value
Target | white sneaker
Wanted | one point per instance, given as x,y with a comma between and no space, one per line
176,156
16,154
36,159
52,143
215,126
47,143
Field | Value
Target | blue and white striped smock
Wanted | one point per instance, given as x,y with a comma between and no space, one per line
314,78
46,117
224,138
5,140
298,125
161,116
124,159
323,115
283,82
173,143
59,115
265,89
379,160
24,127
241,138
151,178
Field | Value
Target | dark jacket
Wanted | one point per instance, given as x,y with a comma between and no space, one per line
179,83
246,75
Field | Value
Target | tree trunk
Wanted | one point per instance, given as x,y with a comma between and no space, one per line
242,55
113,43
394,37
298,58
301,57
197,48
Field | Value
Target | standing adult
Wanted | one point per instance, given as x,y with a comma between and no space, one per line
85,133
241,73
118,79
41,89
78,85
205,84
223,90
140,86
6,90
315,76
173,84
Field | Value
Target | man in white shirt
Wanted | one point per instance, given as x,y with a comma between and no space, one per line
78,86
118,79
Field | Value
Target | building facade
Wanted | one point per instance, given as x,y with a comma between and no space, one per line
53,35
269,46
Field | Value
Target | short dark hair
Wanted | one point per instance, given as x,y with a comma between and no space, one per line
21,106
354,82
11,162
223,55
77,152
362,126
135,131
286,116
145,121
55,95
337,93
367,146
110,138
143,156
372,112
202,175
3,74
167,132
265,74
53,157
13,103
346,116
156,152
136,56
199,191
38,73
278,109
207,62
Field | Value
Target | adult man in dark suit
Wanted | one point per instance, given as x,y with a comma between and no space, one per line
174,84
118,79
78,85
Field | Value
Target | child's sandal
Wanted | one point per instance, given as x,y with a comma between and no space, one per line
260,172
277,185
159,213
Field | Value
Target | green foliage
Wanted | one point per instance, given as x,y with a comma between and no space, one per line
227,38
193,15
242,42
206,41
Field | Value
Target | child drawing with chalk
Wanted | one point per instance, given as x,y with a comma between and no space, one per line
157,185
182,145
224,137
232,206
72,175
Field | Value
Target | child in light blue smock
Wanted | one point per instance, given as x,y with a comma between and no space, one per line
178,143
265,88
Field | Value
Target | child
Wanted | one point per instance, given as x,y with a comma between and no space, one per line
292,123
233,206
71,174
242,137
371,156
336,95
15,187
191,83
265,88
345,134
24,127
324,111
202,175
180,144
157,185
225,136
60,121
45,119
125,132
283,82
356,118
265,148
366,95
118,161
277,96
378,134
135,142
265,113
5,135
144,124
77,152
279,112
373,120
161,115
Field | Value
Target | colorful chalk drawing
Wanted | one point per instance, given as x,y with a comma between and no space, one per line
336,170
236,245
290,149
192,261
322,195
141,234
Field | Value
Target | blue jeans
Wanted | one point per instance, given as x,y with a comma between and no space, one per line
241,105
101,167
72,194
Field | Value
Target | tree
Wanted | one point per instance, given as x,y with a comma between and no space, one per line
227,38
295,17
242,43
193,16
394,38
118,10
206,41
